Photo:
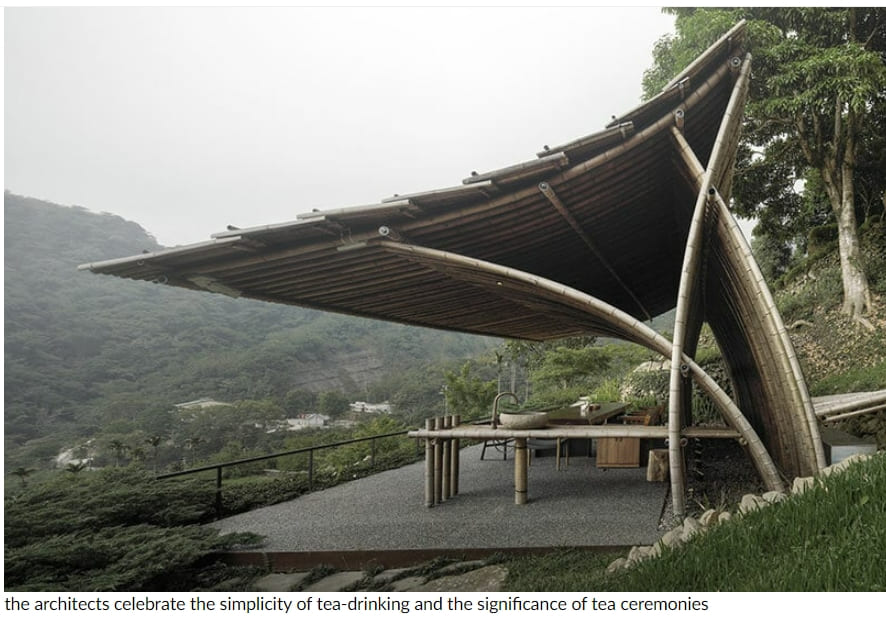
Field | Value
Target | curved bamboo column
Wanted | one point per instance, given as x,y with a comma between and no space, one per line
779,331
518,284
724,148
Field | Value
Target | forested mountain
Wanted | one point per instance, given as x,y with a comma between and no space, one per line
83,351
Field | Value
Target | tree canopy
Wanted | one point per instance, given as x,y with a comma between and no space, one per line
815,116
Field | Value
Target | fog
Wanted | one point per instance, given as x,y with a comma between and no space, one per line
187,120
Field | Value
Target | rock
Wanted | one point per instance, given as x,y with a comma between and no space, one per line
709,517
724,516
750,503
619,564
673,538
773,497
691,527
489,578
801,485
843,464
639,553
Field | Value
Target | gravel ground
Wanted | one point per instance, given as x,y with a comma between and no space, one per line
577,506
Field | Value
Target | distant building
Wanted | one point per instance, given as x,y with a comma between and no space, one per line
305,421
199,404
371,408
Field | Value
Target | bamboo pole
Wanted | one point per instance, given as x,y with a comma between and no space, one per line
446,469
786,347
689,280
521,473
456,457
549,192
429,465
438,462
658,432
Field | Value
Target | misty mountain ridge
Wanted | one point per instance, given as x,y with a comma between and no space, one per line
82,349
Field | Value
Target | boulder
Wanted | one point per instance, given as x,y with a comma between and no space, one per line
801,485
773,497
620,563
750,503
691,527
709,518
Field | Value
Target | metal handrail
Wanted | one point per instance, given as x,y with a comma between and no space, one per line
308,450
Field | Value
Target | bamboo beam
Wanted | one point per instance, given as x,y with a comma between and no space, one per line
486,432
858,412
549,192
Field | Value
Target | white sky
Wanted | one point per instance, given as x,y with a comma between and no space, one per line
189,119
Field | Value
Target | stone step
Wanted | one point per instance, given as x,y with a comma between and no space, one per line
462,576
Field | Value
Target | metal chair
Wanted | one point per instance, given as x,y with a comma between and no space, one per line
498,445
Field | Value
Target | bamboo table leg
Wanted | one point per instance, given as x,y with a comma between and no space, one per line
453,469
521,471
429,466
447,462
438,462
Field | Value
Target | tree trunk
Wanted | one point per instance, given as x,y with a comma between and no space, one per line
856,291
838,176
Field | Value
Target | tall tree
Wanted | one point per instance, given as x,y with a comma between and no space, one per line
819,80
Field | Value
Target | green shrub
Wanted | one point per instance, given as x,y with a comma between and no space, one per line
114,529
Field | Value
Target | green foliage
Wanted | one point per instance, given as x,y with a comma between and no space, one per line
469,395
116,529
815,113
564,367
333,403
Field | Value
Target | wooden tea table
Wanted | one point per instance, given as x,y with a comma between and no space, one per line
442,436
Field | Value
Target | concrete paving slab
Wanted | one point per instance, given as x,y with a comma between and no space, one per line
485,579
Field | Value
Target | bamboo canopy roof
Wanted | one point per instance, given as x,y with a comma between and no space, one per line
594,236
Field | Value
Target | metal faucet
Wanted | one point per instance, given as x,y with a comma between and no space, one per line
495,405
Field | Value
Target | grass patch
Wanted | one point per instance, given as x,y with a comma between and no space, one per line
828,539
859,379
562,571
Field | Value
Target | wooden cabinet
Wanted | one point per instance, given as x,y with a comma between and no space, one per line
618,452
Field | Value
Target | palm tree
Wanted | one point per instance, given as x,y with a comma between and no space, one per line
119,448
22,474
154,441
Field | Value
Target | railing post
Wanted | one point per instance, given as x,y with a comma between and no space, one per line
311,470
218,491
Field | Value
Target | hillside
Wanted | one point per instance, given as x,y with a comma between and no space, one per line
83,351
837,355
